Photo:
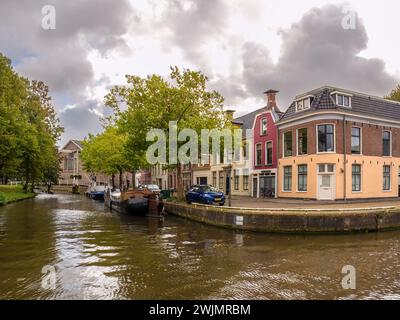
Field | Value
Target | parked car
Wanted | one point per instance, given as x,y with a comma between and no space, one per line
206,195
152,187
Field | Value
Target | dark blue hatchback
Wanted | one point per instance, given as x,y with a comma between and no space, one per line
206,195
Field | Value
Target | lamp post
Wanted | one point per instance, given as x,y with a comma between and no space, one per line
228,172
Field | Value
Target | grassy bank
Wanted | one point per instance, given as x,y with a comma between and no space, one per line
13,193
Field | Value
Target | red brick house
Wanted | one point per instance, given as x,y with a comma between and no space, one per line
265,146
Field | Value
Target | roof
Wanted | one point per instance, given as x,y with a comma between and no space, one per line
78,142
361,103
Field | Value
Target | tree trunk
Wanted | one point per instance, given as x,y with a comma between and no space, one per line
134,179
179,182
26,184
113,180
120,180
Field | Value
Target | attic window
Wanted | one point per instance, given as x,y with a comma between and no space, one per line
342,100
304,104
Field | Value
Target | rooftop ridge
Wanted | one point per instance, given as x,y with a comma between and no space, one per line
329,87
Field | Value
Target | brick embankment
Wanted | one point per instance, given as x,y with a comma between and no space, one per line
292,220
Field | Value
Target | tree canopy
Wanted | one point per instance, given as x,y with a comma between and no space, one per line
105,153
395,94
152,102
29,129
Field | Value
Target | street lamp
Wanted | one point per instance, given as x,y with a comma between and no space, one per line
228,172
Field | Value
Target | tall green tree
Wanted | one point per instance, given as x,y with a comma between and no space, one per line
152,102
29,128
395,94
105,153
13,122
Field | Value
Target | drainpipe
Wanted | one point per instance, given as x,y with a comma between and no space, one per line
344,157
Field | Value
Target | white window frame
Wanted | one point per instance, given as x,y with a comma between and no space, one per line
297,142
391,143
337,94
261,126
266,153
390,177
283,179
255,155
361,178
283,144
297,187
361,141
304,99
334,138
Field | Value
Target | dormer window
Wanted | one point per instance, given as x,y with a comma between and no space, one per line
342,99
304,103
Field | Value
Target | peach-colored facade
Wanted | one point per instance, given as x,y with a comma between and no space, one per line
371,176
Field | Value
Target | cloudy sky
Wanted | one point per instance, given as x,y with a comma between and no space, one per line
245,47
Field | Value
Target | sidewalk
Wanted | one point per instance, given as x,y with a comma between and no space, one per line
248,202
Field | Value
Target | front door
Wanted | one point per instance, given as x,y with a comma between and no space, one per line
255,187
326,182
271,186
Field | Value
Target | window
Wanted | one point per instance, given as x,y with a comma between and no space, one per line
343,100
214,179
386,178
287,178
263,127
386,143
69,162
356,140
236,179
245,147
258,154
246,182
356,177
326,138
302,178
287,144
302,141
269,153
303,104
221,180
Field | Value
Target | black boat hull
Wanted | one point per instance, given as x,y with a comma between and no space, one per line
135,206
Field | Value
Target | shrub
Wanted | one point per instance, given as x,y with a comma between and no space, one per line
2,198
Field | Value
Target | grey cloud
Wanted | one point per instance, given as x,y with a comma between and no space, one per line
316,51
80,120
59,57
192,23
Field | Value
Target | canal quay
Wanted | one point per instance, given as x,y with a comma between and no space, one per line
98,254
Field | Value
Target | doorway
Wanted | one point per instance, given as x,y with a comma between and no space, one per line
267,186
255,187
326,182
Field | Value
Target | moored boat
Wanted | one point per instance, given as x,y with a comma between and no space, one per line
134,202
95,191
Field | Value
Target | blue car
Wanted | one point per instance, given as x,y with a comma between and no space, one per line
205,195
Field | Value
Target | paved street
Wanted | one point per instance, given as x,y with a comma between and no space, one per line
247,202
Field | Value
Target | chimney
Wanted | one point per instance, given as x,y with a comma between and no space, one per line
229,114
271,99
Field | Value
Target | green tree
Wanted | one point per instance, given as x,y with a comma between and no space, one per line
105,153
395,94
13,122
152,102
29,128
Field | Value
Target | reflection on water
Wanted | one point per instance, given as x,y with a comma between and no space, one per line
104,255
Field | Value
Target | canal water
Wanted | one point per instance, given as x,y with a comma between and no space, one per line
98,254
